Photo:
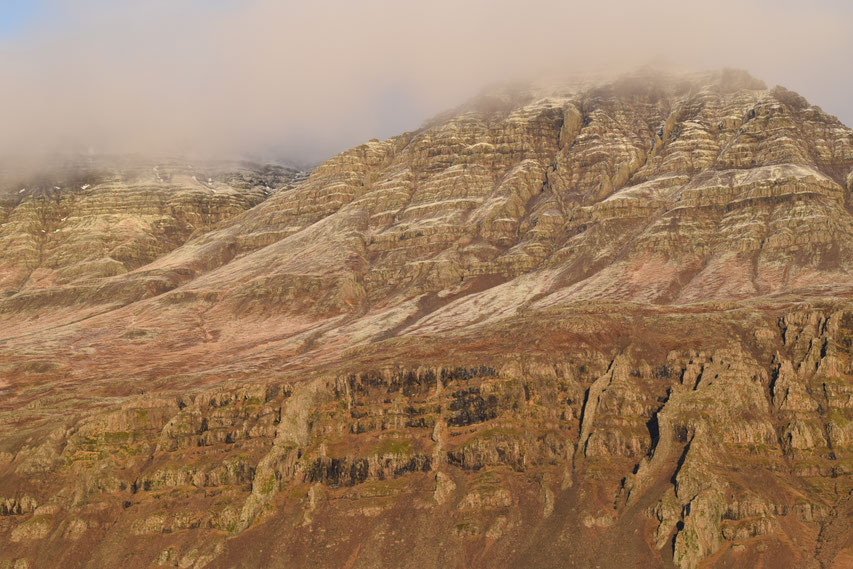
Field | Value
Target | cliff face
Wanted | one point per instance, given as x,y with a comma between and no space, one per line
607,323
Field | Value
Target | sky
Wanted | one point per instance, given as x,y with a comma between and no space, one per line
305,80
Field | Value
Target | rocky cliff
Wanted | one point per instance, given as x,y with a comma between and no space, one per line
606,323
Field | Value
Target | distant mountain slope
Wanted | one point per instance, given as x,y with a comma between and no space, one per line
80,220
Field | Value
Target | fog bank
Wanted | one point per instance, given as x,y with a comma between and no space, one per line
282,78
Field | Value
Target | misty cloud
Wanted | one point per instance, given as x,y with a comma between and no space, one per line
307,80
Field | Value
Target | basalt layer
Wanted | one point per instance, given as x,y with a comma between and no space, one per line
604,324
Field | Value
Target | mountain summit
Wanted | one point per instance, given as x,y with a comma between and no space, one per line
606,322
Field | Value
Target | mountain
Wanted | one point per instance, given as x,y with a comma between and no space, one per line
79,219
602,323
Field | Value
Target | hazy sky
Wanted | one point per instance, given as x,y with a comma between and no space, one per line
309,79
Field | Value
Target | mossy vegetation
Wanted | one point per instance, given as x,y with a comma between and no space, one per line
394,446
